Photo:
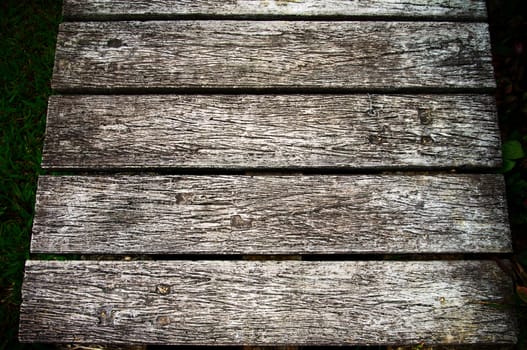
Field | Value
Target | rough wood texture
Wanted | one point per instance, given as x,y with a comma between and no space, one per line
100,56
271,214
271,302
288,302
271,131
438,9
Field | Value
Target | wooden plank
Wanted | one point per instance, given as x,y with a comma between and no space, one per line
271,214
272,131
438,9
168,55
262,303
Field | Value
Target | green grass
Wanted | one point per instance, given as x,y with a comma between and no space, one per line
28,32
508,20
27,40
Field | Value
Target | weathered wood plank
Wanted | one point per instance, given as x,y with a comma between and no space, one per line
271,214
439,9
287,302
272,131
272,54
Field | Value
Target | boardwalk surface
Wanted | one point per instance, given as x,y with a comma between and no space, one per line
278,172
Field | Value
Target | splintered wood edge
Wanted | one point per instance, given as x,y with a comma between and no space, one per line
263,303
362,131
112,9
368,214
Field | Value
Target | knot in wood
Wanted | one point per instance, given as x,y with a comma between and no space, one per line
239,223
184,198
115,43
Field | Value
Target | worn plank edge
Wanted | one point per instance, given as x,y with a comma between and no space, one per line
104,10
275,54
368,214
311,132
300,303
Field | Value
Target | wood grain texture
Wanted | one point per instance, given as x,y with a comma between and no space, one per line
168,55
261,303
439,9
271,214
271,131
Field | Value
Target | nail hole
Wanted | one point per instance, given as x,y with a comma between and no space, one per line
375,139
106,316
163,321
114,43
426,140
163,289
425,116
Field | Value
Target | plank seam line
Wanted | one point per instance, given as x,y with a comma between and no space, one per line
291,18
60,171
270,91
275,257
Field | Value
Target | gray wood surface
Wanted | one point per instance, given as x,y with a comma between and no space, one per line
271,131
168,55
439,9
296,125
249,302
271,214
